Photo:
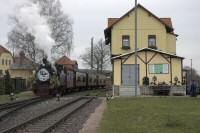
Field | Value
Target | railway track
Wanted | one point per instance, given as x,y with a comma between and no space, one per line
8,108
16,103
47,121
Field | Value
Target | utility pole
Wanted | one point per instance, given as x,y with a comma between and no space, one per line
92,44
191,72
136,41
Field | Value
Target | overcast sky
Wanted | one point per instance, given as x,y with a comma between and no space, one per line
90,19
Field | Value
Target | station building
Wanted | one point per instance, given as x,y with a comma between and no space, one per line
156,49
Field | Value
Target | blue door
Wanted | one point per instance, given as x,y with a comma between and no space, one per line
129,74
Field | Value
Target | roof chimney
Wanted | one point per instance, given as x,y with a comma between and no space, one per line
21,56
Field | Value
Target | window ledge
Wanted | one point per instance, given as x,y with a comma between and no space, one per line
126,47
153,47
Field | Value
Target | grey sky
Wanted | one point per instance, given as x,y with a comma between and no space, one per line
90,19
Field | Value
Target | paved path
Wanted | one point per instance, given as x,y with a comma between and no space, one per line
92,124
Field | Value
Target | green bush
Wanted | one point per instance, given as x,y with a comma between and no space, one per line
145,81
8,83
55,81
2,87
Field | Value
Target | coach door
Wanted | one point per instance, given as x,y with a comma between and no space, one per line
128,75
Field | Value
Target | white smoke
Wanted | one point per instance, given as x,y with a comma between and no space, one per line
28,14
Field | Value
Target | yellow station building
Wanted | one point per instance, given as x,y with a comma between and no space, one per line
156,48
6,60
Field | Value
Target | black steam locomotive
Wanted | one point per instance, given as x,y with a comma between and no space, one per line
53,79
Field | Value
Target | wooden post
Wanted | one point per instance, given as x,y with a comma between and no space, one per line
136,41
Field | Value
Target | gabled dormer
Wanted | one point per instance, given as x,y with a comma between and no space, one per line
153,32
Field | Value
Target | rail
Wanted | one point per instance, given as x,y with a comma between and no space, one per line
49,113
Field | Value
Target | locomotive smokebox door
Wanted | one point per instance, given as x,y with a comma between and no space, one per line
43,75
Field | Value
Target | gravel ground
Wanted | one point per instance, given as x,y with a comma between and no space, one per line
5,111
75,122
49,120
30,112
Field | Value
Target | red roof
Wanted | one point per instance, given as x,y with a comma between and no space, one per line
111,21
167,21
4,50
67,62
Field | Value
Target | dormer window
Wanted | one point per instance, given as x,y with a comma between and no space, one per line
126,42
152,41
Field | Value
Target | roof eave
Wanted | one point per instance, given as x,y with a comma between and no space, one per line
146,49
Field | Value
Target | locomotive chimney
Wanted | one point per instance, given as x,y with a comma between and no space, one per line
22,56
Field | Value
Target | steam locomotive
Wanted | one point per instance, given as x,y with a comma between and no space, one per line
59,79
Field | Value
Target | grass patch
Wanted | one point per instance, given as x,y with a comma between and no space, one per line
20,96
152,115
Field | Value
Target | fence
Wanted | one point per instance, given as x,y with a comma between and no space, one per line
14,85
169,90
156,90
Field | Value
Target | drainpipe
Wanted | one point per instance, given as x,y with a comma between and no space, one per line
136,41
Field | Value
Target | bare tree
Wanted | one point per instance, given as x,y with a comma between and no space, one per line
61,32
101,56
195,76
20,40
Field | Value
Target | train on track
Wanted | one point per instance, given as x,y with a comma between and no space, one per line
51,80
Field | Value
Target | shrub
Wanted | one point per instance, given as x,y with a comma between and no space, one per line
145,81
176,81
2,87
8,83
154,80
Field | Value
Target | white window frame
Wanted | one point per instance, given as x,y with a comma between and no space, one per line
125,41
152,40
165,68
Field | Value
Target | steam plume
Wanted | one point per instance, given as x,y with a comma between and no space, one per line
28,14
